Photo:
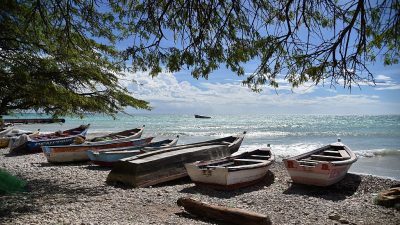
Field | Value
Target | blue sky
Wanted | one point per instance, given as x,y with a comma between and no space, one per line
223,93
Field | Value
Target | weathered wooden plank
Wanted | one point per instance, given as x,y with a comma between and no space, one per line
221,213
165,166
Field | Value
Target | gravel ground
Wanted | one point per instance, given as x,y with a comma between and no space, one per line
78,194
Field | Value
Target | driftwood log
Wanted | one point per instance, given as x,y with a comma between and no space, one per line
221,213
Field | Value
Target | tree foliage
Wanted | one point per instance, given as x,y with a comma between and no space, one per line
302,40
58,57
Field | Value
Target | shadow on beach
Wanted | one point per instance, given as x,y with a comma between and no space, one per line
97,168
42,192
47,164
18,153
266,182
336,192
203,219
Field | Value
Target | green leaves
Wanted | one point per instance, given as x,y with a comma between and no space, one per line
51,62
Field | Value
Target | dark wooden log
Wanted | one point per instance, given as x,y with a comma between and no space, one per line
221,213
39,120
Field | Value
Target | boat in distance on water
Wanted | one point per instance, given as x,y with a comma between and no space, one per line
108,157
202,117
167,164
122,135
321,167
232,172
33,144
77,153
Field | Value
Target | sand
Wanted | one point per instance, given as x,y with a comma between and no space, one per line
78,194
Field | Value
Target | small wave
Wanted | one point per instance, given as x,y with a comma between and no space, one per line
284,150
377,152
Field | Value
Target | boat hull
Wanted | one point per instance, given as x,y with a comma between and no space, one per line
159,168
103,159
4,142
223,179
321,175
76,153
321,167
6,130
109,157
33,144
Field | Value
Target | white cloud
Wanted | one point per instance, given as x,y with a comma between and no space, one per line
382,78
391,87
167,95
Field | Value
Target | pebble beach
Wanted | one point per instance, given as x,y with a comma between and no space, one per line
78,194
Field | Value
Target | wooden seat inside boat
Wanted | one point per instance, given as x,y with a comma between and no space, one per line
344,154
260,156
327,157
310,162
247,161
119,136
335,153
220,165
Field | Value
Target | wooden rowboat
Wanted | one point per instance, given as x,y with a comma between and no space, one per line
123,135
3,136
76,153
232,172
109,156
14,134
33,144
168,164
5,130
321,167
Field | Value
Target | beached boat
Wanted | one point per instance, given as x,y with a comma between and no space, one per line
33,144
109,156
5,138
232,172
5,130
77,153
202,117
321,167
168,164
123,135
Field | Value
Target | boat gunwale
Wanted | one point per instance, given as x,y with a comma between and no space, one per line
255,165
231,146
127,134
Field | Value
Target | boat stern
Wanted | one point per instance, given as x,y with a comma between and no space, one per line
318,174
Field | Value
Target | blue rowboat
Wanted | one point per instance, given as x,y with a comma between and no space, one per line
33,144
75,153
110,156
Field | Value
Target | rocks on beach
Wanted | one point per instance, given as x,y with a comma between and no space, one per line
78,194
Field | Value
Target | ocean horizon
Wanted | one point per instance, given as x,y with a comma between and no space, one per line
375,139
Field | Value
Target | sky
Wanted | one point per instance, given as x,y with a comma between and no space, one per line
223,93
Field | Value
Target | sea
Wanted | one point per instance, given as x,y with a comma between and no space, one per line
375,139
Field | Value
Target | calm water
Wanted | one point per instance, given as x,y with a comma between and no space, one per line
376,139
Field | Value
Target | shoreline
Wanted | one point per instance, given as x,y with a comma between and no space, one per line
78,194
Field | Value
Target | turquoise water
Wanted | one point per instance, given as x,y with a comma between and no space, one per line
376,139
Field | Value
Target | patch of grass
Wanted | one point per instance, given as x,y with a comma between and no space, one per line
10,184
